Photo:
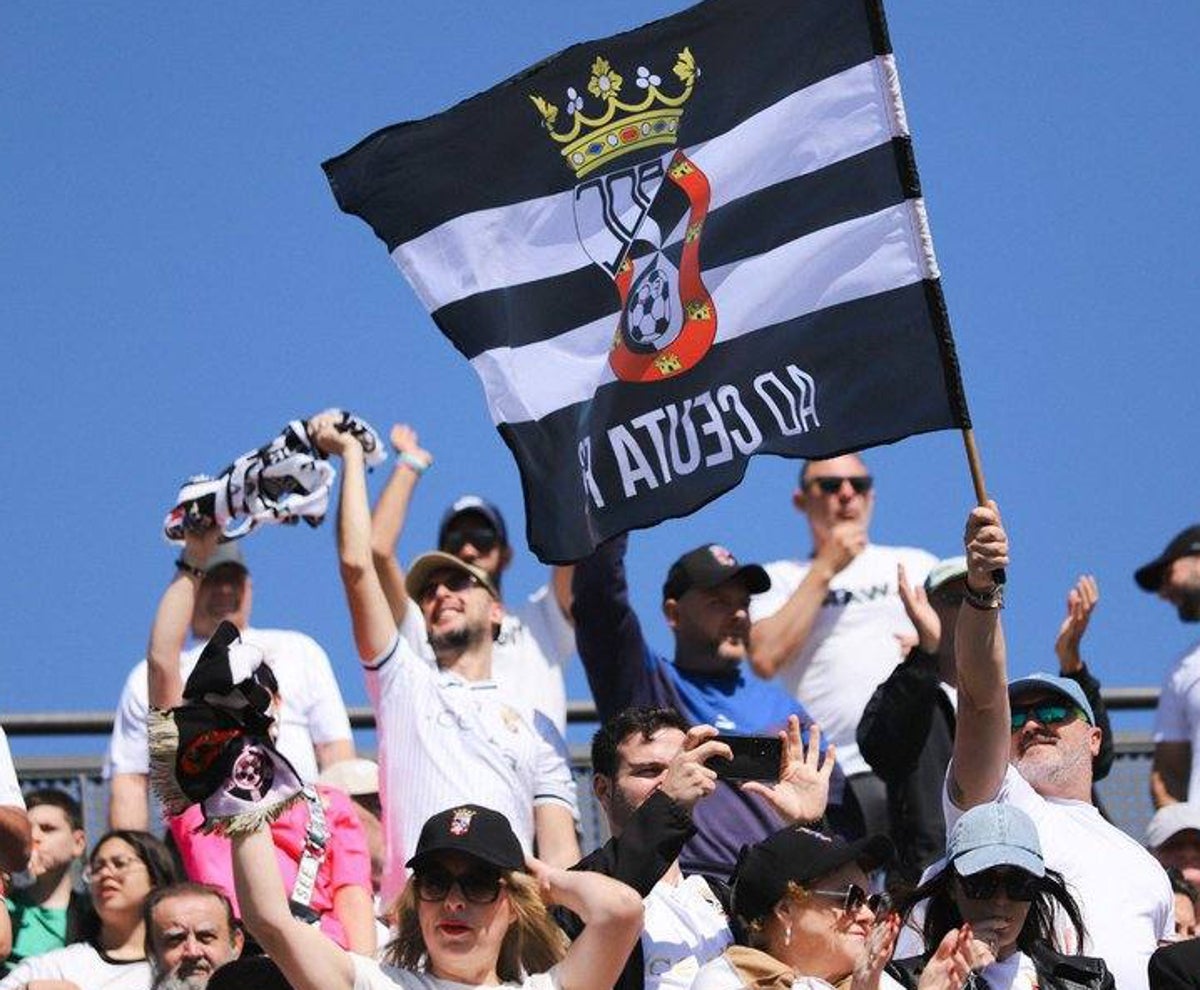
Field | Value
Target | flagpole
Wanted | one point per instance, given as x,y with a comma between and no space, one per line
975,464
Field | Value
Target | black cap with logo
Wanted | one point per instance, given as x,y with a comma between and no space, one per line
474,831
709,566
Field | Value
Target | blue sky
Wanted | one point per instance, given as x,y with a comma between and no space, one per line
176,283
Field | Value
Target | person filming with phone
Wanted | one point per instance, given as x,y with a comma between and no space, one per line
705,601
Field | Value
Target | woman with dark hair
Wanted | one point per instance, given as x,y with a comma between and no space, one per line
1014,911
473,913
124,867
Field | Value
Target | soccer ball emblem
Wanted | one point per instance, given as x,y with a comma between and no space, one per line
648,312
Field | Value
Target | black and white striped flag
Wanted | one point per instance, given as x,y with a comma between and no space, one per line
669,250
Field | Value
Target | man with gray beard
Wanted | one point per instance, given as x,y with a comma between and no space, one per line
190,934
1031,743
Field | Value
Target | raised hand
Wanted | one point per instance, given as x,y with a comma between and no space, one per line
1081,602
328,438
846,541
876,953
687,779
920,613
986,544
950,966
802,792
404,441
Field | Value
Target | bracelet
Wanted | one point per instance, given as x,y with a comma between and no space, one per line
419,465
189,568
985,601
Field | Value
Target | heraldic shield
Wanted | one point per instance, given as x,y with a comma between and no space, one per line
642,223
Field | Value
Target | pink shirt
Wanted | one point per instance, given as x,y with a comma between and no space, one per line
207,858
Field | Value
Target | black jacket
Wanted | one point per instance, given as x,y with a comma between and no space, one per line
1055,972
1176,967
644,851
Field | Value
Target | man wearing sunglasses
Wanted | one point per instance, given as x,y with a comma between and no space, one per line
831,627
1031,744
1175,577
447,734
535,641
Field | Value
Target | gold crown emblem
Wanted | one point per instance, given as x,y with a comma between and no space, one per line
591,142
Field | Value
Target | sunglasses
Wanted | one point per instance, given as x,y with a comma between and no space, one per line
482,538
453,581
477,886
832,484
1017,884
1044,715
854,897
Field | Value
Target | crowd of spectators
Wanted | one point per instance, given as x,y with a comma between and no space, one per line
924,819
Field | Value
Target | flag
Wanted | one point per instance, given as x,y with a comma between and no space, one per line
672,249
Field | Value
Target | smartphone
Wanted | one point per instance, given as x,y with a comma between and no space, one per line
754,758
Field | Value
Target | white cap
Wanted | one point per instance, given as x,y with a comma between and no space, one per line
1171,820
355,777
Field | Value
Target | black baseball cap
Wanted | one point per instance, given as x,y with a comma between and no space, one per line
473,830
479,506
1150,576
798,854
709,566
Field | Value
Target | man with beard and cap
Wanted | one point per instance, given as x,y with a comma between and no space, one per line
447,734
535,641
190,934
1175,577
1031,743
705,601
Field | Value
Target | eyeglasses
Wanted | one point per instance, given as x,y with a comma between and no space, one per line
118,866
1018,885
482,538
1044,715
854,897
477,886
832,484
453,581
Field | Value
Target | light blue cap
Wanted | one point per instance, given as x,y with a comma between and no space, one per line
1052,684
995,835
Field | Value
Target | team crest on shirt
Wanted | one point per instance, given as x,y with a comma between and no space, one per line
460,821
641,223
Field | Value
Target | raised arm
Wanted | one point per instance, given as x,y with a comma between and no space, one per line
370,614
612,916
391,511
1081,602
308,958
982,736
171,620
776,639
607,631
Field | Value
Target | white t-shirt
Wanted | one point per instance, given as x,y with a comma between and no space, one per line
370,975
684,928
312,710
10,787
852,647
443,741
82,965
1122,891
529,657
1177,718
1017,972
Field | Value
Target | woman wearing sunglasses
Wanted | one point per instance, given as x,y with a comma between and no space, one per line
809,922
996,889
122,870
471,914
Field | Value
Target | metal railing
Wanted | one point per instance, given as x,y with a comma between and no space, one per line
1124,793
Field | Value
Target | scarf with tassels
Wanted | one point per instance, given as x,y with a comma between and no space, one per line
284,481
215,749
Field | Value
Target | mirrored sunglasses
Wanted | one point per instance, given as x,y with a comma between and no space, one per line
1045,715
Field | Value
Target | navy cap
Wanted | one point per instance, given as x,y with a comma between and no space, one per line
995,835
1064,687
481,507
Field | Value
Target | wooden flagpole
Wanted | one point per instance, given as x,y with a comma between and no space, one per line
975,464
